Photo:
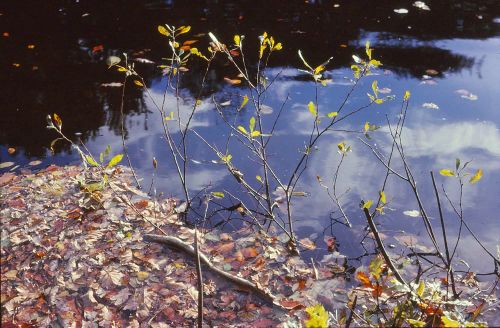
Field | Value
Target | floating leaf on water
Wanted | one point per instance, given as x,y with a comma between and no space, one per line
401,11
470,96
421,5
4,165
232,81
266,110
412,213
431,71
35,163
112,85
11,150
430,105
384,90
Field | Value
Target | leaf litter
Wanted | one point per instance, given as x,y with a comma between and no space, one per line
67,265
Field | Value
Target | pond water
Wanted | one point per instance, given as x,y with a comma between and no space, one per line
53,60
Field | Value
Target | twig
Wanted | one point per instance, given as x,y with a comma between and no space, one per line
186,248
200,279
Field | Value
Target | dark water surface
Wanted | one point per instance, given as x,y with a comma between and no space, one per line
52,59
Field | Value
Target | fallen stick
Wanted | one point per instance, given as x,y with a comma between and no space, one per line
176,243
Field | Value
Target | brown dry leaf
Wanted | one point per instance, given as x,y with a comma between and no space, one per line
308,243
121,297
291,304
111,277
11,150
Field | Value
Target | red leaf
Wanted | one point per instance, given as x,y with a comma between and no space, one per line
330,243
98,48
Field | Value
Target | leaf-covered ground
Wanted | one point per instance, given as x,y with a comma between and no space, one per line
66,266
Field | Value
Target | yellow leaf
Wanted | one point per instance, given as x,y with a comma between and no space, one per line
416,323
57,120
421,288
382,197
407,95
312,109
122,69
198,102
90,160
217,194
367,126
255,134
115,160
138,83
242,129
318,317
278,46
447,173
332,114
184,29
341,146
368,204
449,323
477,176
142,275
375,88
251,125
237,40
243,103
368,50
163,30
319,69
259,178
375,266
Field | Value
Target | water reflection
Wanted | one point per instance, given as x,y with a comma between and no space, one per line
65,70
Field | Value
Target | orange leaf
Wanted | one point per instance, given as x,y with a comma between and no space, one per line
377,291
308,243
364,279
249,252
11,150
233,82
189,42
225,248
234,53
239,256
142,204
185,48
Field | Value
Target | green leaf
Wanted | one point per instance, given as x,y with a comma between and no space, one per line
217,194
90,160
382,197
332,114
107,151
115,160
312,109
447,173
476,177
251,125
318,317
242,129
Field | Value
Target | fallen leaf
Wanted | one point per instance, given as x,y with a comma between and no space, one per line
308,243
35,163
11,150
249,252
412,213
291,304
